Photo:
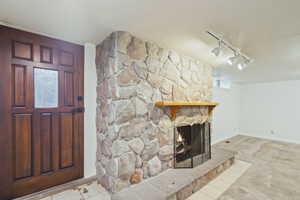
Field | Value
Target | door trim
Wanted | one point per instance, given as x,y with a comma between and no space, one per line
6,180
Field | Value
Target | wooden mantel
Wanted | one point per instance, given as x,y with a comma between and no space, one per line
175,106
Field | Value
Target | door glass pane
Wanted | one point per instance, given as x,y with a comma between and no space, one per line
45,88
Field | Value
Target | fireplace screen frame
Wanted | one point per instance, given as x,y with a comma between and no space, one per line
205,129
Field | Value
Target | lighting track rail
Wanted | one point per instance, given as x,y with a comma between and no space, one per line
240,59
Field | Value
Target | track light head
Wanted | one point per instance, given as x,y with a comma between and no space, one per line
243,63
216,51
241,66
232,60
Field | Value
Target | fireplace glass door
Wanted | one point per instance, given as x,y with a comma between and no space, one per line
183,147
191,145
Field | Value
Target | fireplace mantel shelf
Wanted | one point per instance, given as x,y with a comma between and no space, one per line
175,106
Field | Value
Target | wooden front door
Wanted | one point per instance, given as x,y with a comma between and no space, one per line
41,112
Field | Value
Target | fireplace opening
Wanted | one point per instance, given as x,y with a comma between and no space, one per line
191,145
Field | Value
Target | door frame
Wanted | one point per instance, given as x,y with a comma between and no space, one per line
6,180
6,138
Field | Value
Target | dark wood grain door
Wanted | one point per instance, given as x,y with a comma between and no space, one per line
41,105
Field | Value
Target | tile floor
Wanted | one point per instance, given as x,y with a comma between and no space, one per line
215,188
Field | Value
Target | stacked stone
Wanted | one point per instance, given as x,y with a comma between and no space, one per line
135,138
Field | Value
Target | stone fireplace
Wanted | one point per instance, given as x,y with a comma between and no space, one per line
136,138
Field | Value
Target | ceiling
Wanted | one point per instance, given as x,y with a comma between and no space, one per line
266,30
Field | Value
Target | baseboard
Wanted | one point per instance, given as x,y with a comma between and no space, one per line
224,138
274,138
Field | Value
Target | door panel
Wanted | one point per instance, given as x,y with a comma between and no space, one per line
69,94
23,145
43,78
66,140
19,85
46,142
46,55
66,59
22,50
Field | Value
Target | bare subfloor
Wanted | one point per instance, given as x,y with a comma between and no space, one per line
274,173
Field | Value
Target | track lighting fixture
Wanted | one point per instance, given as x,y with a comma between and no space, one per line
216,51
239,59
232,60
243,64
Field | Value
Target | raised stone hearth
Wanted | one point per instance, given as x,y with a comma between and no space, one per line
135,138
179,184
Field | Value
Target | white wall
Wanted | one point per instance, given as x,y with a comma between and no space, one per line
226,115
271,110
266,110
90,95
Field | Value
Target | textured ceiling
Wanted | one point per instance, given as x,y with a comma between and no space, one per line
266,30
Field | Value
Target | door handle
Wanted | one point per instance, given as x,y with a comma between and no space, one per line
80,98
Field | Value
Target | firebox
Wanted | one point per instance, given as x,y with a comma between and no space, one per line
192,145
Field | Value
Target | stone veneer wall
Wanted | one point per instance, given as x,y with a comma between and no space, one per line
135,138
